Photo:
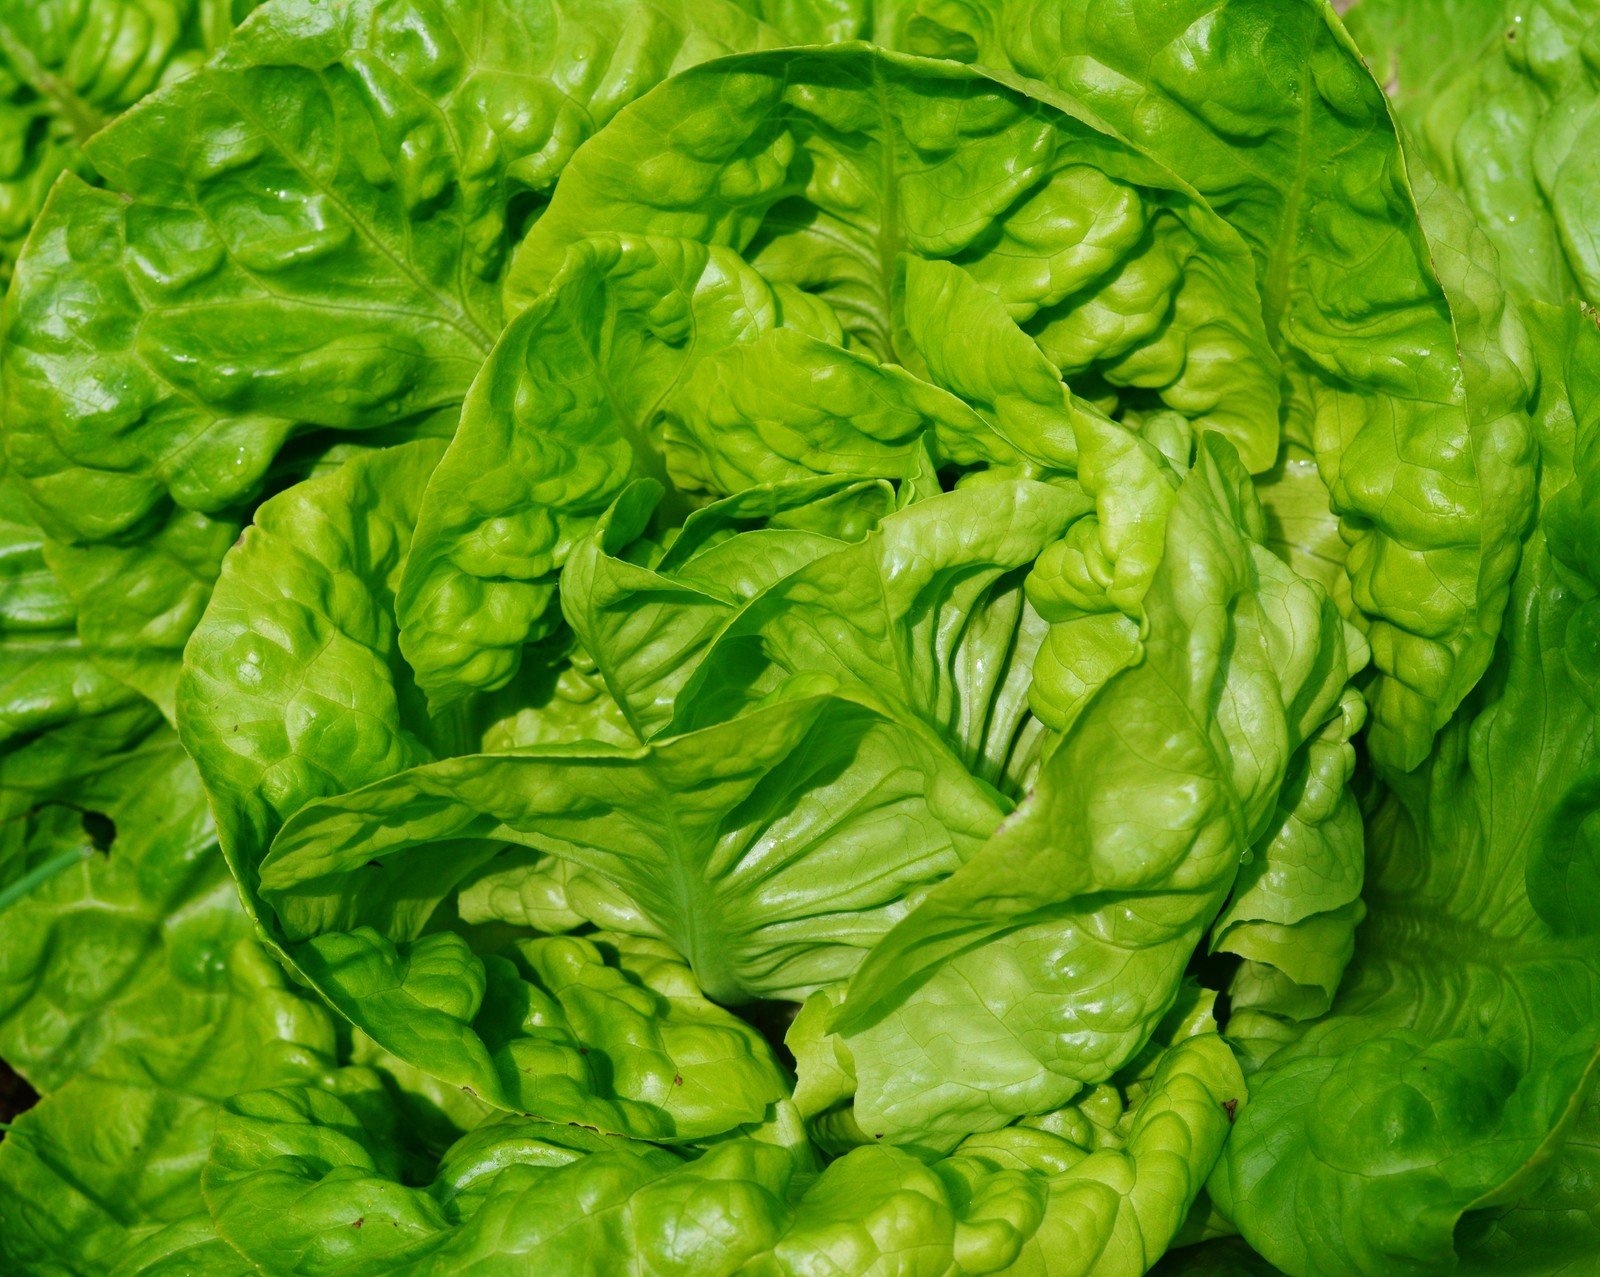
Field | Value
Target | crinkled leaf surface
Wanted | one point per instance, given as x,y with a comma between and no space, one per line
1266,109
1296,902
1047,960
47,679
927,615
139,601
133,940
300,632
735,840
116,1153
648,625
1462,1046
1022,1202
357,160
1501,102
829,173
169,334
68,66
825,167
647,358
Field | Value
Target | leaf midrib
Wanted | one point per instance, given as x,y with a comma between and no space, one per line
454,310
889,241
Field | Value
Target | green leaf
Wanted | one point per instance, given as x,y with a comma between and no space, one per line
63,720
734,840
301,632
187,1248
1417,48
321,1168
1553,1228
196,292
1459,1052
1136,1196
649,626
138,602
1301,529
43,776
972,348
812,21
1266,109
1499,100
169,335
1046,961
612,347
298,635
1295,904
302,627
607,1031
926,616
98,1165
828,168
261,1181
48,679
133,940
67,67
771,851
547,894
647,358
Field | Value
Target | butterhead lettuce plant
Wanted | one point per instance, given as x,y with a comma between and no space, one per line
946,637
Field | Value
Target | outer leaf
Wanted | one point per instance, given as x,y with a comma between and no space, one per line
1027,1203
1417,48
139,602
133,941
117,1152
1501,102
169,335
188,1248
1460,1050
63,721
42,777
1267,110
1555,1228
214,246
47,679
